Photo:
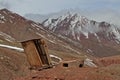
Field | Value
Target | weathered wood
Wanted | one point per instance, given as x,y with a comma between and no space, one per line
45,50
32,54
37,53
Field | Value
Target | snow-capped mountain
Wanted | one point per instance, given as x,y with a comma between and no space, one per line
75,26
95,37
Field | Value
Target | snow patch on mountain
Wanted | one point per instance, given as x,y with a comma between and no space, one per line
60,59
89,63
2,19
12,47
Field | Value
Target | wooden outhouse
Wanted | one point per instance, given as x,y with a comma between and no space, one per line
37,53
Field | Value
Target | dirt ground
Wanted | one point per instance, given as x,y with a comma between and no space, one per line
59,72
14,66
12,63
63,73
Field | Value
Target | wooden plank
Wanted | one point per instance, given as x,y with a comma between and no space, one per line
45,51
32,54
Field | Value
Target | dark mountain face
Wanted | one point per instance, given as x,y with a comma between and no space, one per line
96,38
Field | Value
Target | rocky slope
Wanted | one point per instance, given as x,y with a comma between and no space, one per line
96,38
12,64
15,28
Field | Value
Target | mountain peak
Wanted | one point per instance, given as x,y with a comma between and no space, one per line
94,37
13,25
8,16
4,9
73,25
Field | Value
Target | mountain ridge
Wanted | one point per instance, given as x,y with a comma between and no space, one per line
22,29
80,25
64,39
90,34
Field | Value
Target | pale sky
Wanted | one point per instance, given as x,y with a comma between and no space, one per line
103,8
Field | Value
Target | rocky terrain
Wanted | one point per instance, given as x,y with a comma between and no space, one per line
15,29
13,25
107,72
12,64
71,39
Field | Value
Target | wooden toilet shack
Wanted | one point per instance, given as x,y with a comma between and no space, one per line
37,53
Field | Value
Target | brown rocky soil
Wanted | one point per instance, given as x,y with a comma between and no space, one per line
62,73
106,72
12,63
14,66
